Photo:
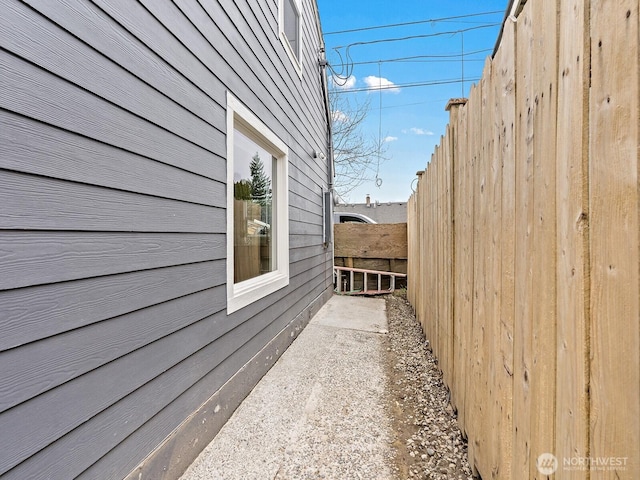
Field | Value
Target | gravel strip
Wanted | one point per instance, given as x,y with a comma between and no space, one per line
428,442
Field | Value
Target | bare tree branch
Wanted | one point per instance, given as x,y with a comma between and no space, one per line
356,155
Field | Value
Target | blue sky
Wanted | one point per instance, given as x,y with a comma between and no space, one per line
412,118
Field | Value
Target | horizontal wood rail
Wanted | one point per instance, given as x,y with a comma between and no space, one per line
350,281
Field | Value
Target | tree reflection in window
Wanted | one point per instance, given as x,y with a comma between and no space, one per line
254,246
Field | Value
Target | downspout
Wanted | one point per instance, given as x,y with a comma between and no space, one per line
329,198
329,202
511,13
327,106
322,62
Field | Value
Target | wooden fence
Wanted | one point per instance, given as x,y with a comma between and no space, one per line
524,247
372,246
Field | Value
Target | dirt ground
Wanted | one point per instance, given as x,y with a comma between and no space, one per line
428,442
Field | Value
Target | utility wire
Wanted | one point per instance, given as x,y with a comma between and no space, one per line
346,63
400,105
392,25
410,37
415,57
406,85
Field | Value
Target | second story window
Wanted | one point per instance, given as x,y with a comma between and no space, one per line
290,31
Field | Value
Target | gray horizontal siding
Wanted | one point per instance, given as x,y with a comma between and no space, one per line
301,186
297,241
113,324
308,175
61,358
57,153
30,422
298,215
304,229
168,66
31,314
311,203
307,251
78,63
302,270
35,93
36,258
124,433
64,205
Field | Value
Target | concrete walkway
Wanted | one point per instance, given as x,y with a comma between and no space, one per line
319,412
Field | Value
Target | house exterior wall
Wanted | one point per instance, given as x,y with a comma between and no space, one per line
115,340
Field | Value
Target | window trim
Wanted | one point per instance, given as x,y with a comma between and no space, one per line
244,293
296,59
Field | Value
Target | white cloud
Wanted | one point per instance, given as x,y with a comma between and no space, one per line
343,83
381,83
339,116
421,131
389,139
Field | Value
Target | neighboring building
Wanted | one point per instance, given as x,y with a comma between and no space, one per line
379,212
351,218
139,300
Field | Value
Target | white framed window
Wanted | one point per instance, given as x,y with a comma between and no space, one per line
289,24
257,208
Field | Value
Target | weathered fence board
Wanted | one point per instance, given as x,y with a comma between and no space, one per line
504,101
613,235
543,254
572,200
523,268
457,262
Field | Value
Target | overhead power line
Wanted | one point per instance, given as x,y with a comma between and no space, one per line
410,37
346,62
401,105
417,57
417,22
406,85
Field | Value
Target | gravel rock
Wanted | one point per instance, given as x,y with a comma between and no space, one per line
428,441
